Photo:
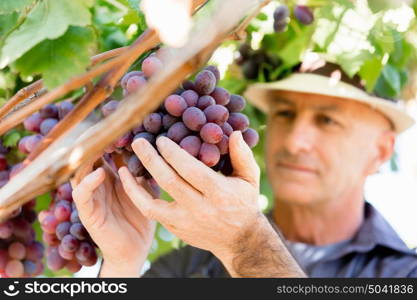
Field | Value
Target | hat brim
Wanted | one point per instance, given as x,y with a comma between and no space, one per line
259,95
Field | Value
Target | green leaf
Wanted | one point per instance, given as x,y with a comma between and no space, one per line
392,78
49,19
135,4
351,62
58,60
9,6
11,138
262,17
7,24
370,72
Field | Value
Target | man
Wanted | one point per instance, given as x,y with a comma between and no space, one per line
325,135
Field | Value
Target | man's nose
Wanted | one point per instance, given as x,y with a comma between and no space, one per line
301,136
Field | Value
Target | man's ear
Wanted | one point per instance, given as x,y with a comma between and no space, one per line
384,150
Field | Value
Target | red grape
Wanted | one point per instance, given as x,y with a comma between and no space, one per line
177,132
209,154
190,97
251,137
223,145
221,96
153,123
64,108
47,125
151,65
191,144
135,83
205,101
238,121
168,121
126,77
49,111
236,104
109,107
70,243
216,114
33,122
227,129
211,133
17,250
175,105
303,14
194,118
214,70
205,82
14,268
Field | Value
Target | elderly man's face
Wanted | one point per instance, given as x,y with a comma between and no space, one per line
322,148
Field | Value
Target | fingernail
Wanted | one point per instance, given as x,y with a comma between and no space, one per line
162,140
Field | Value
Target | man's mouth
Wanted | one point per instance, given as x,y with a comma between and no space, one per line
296,167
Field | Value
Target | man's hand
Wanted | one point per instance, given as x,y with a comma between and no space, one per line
123,234
211,211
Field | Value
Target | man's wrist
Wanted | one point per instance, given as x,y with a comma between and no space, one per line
130,268
259,252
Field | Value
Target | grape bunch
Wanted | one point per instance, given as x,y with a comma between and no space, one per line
20,254
257,62
281,15
41,123
199,116
303,14
69,244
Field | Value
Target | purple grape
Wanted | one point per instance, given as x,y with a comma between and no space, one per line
6,229
221,96
32,142
237,103
124,140
153,123
205,82
54,261
138,129
216,114
227,129
64,192
62,230
281,13
135,83
49,224
135,166
17,250
22,145
175,105
29,267
79,231
147,136
14,268
303,14
47,125
191,144
62,211
34,251
214,70
188,85
126,77
209,154
85,252
109,107
211,133
64,108
190,97
238,121
177,132
194,118
223,145
50,239
49,111
251,137
168,121
65,254
151,65
279,26
70,243
4,258
33,122
227,168
75,217
205,101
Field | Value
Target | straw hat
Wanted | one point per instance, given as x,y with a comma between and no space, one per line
330,80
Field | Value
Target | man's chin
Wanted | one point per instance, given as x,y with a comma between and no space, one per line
295,194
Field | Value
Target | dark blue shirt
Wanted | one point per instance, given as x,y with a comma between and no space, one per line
376,250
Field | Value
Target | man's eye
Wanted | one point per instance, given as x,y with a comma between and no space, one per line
285,114
323,119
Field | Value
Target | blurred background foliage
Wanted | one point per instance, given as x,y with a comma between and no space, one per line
374,39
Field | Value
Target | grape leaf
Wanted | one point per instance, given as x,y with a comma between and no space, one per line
62,58
11,138
370,72
135,4
49,19
7,22
9,6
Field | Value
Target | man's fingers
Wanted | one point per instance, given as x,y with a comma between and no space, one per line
243,161
164,175
83,192
155,209
188,167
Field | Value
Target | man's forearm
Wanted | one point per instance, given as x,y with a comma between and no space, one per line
260,252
